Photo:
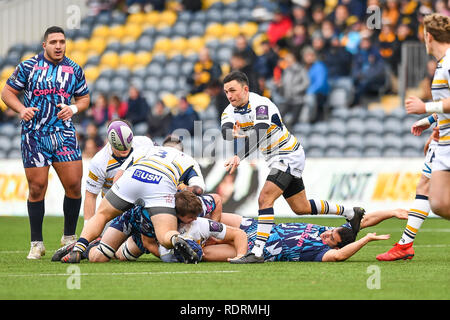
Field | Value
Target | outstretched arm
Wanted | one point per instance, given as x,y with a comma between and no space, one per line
349,250
373,218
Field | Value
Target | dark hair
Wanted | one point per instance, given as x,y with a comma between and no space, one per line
347,236
173,141
187,203
51,30
238,76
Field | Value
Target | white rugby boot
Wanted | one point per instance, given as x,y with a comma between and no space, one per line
37,250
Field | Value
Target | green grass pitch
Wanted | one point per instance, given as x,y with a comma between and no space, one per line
426,277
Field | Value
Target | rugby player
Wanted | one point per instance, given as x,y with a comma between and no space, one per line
263,128
49,81
437,43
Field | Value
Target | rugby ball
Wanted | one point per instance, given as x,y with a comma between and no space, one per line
120,135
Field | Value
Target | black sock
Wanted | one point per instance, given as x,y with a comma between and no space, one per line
36,211
71,208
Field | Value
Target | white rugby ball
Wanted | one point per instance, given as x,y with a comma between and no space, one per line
120,135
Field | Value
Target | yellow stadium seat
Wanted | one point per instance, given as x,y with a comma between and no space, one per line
81,45
168,17
69,45
256,44
110,59
97,44
91,73
143,58
6,73
180,44
128,59
163,45
196,43
249,29
231,29
152,18
228,1
170,100
101,31
117,32
208,3
133,30
79,57
28,55
215,30
138,18
199,101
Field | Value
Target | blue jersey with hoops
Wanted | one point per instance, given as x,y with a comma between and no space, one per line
45,85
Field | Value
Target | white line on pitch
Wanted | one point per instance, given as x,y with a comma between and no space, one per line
116,273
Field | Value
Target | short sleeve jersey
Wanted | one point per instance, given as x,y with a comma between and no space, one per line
45,85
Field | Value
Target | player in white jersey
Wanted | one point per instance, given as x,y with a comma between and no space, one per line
437,42
420,209
104,166
263,128
151,182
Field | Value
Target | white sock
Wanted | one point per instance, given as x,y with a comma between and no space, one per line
416,216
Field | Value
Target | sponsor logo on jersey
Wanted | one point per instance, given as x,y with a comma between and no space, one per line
262,113
146,177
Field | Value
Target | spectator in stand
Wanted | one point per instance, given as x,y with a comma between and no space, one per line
356,8
386,42
339,62
205,70
137,106
117,108
267,61
300,15
442,7
409,10
90,149
159,120
297,39
292,87
184,118
191,5
368,70
278,27
328,30
318,17
217,95
390,12
7,115
351,36
242,47
99,111
238,63
92,133
319,45
318,89
340,16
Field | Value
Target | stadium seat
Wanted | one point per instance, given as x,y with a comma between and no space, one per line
372,140
180,29
155,69
110,59
335,141
152,83
355,125
200,101
354,141
214,15
391,152
143,58
373,125
332,152
103,85
186,68
5,143
337,127
145,43
169,84
409,152
392,141
320,128
315,152
372,152
317,140
8,130
413,142
14,154
352,152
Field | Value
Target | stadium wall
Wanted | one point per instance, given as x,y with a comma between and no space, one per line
374,184
24,21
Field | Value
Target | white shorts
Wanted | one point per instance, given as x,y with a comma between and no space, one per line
295,161
441,160
429,160
147,185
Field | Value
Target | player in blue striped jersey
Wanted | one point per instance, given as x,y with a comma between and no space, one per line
49,81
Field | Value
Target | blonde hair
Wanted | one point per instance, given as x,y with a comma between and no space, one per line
438,26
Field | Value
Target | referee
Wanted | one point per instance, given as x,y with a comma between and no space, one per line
49,81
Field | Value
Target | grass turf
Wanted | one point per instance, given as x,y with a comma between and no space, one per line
424,277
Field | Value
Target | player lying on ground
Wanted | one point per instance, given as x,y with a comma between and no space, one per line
132,234
291,241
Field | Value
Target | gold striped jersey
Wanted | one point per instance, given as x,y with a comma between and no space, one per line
104,166
278,140
440,90
172,163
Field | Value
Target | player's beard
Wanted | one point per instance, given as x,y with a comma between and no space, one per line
52,55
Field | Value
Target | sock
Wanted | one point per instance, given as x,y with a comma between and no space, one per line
71,208
36,211
265,223
324,207
416,216
81,245
92,245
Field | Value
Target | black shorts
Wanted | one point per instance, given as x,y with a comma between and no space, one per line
290,184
